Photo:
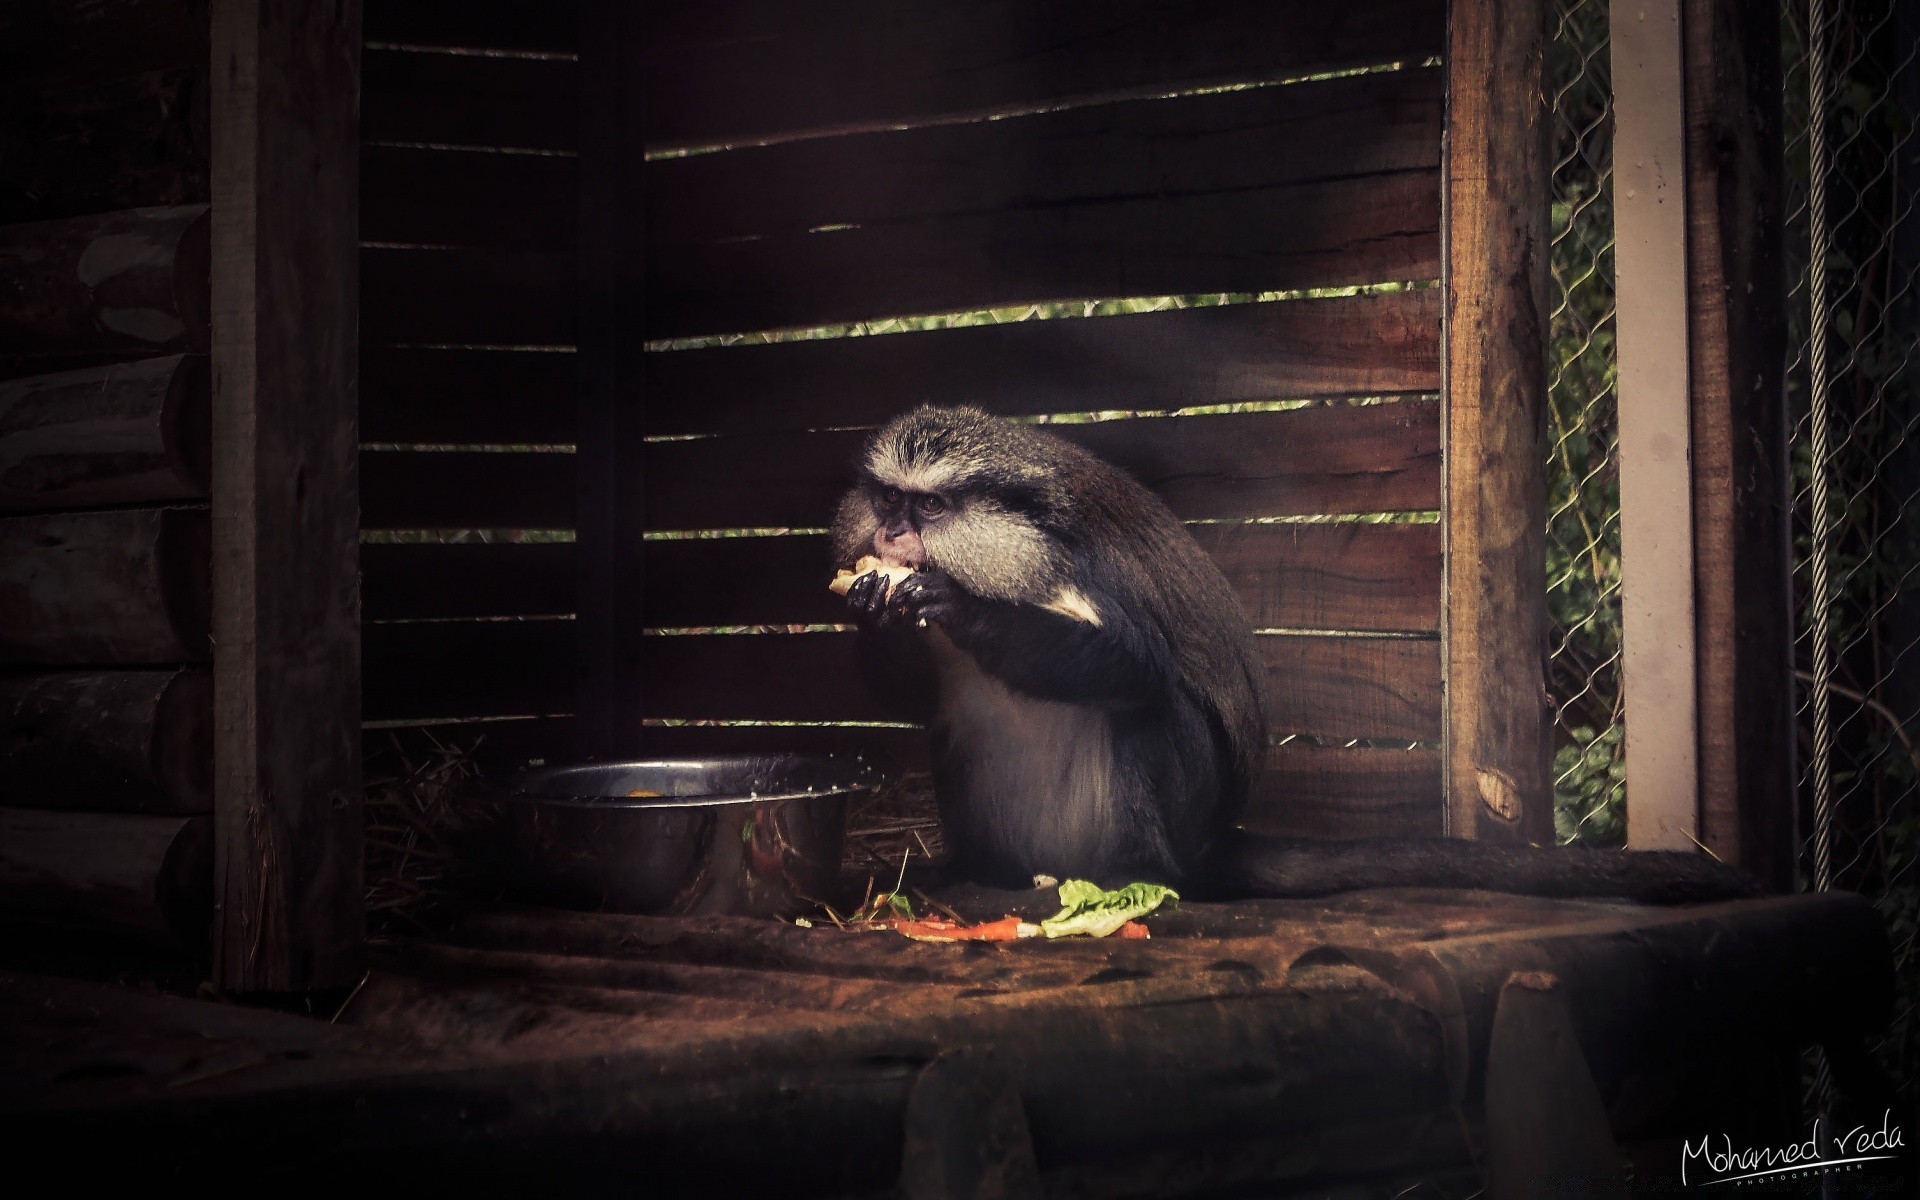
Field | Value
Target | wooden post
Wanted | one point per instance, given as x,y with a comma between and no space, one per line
1737,326
609,516
1656,519
285,506
1498,720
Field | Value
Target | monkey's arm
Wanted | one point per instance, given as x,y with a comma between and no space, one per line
1040,652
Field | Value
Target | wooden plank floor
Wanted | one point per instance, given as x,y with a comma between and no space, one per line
1244,1043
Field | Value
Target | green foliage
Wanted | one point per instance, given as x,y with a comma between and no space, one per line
1583,486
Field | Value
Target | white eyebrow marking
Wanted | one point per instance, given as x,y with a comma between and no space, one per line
885,466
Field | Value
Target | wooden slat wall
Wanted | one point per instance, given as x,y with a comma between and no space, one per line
1102,184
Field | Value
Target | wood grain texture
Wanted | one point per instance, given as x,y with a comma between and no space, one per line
1498,718
124,587
127,143
59,43
1341,791
468,99
466,297
129,433
1335,576
1332,576
409,582
467,198
112,283
1372,458
1343,575
466,396
1736,192
110,741
401,489
720,73
287,787
1158,361
144,875
1328,233
551,26
1163,148
1353,687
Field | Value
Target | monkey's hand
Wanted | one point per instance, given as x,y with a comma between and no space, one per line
920,597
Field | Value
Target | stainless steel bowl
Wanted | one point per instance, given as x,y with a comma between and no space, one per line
747,835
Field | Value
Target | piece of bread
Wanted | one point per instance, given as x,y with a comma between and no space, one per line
844,579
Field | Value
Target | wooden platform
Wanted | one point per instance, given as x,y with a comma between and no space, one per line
1259,1042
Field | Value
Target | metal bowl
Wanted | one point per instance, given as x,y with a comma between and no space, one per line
746,835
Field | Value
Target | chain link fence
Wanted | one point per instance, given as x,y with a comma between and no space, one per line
1583,482
1851,100
1853,243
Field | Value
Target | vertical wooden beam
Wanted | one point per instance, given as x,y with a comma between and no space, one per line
609,515
285,97
1656,518
1741,499
1498,720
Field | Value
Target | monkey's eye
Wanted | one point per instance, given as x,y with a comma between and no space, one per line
891,495
930,507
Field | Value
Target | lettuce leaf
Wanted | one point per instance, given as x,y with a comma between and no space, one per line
1091,911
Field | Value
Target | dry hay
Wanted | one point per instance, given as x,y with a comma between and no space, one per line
896,823
426,819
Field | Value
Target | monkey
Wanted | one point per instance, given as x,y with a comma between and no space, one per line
1091,686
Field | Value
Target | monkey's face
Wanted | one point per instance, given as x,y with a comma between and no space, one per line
899,517
950,490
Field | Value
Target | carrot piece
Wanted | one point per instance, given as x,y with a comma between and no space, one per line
1132,930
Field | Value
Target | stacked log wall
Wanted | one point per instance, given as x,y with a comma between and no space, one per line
105,695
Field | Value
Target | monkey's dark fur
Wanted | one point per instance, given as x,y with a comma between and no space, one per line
1091,686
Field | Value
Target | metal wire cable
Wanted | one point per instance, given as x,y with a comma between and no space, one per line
1820,597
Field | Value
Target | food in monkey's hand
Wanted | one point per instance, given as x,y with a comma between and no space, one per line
843,580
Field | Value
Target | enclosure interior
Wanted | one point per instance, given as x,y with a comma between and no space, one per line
1204,244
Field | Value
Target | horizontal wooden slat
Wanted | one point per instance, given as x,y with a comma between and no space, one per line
466,396
55,43
467,669
1319,234
1298,349
1335,791
1371,458
1344,575
112,283
466,297
724,72
451,490
1333,576
122,144
467,198
110,741
468,580
551,26
1359,345
1351,687
468,100
1162,148
106,588
130,433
